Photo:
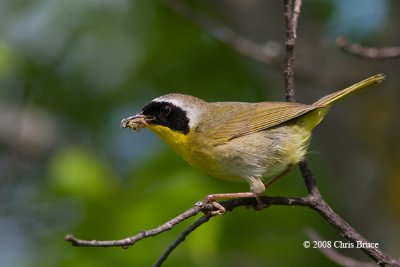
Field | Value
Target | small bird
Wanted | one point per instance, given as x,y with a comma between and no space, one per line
238,141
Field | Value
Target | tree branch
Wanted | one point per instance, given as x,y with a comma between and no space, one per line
313,200
316,202
296,15
129,241
240,44
229,205
335,256
182,238
291,20
367,52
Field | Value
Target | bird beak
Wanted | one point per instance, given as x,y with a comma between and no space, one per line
136,122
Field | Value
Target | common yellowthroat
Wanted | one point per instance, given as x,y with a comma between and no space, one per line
238,141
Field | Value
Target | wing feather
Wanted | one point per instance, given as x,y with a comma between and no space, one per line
246,118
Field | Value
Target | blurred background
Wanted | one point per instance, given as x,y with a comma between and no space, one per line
71,70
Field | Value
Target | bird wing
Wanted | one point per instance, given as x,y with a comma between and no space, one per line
246,118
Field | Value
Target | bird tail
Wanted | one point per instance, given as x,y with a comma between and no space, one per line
323,105
336,96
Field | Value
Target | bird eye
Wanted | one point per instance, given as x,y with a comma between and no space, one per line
165,110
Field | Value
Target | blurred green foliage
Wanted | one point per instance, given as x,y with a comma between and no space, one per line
71,70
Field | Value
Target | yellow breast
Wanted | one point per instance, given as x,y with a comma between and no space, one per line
261,154
192,151
175,139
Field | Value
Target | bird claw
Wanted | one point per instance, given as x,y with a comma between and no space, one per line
218,208
260,204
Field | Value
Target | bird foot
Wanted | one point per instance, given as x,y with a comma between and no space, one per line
218,208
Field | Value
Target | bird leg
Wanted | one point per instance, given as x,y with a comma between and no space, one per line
256,186
274,179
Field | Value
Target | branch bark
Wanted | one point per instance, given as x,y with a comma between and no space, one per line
291,15
367,52
313,200
224,34
129,241
316,202
335,256
229,205
182,238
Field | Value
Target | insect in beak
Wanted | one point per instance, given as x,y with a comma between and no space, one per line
136,122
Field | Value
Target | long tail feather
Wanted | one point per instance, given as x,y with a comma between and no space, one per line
334,97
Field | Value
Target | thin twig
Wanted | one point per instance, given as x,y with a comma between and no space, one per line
291,20
316,202
314,198
181,238
351,234
224,34
229,205
367,52
129,241
309,180
335,256
296,15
